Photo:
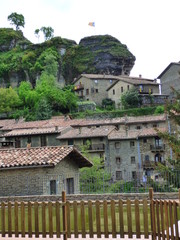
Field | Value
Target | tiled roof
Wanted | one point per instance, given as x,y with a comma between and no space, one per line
6,122
43,156
122,134
85,132
133,134
32,131
125,78
121,120
53,122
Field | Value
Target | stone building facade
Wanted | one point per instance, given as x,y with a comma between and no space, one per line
96,87
170,77
126,145
40,171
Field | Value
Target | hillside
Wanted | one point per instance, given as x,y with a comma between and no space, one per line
21,60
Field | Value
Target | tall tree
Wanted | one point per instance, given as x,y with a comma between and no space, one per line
48,32
9,100
36,32
17,20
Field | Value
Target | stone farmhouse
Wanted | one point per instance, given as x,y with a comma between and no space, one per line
40,171
170,77
126,145
96,87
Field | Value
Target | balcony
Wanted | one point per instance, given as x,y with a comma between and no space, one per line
148,164
157,148
79,87
152,164
97,147
93,147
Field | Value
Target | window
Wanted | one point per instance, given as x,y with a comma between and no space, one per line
70,185
96,90
17,142
52,187
29,139
133,160
113,91
101,139
121,89
117,145
43,141
134,175
118,175
132,144
127,87
92,90
138,127
70,142
87,91
118,160
146,157
155,125
145,140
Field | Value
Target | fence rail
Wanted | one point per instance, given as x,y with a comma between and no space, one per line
101,218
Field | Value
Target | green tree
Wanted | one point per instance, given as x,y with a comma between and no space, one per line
48,32
17,20
43,110
37,33
9,100
131,99
171,170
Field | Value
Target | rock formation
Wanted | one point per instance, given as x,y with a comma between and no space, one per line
20,60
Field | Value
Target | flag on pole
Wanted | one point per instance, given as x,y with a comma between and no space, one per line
92,24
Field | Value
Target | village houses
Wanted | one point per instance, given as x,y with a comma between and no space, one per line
97,87
128,145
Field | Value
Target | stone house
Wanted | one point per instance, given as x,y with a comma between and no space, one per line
145,87
170,77
132,133
92,87
96,87
92,139
133,153
40,171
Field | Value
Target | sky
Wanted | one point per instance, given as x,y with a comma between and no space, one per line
149,28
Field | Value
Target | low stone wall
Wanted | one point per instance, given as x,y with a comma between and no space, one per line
87,197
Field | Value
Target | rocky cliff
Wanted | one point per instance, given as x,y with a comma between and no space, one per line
21,60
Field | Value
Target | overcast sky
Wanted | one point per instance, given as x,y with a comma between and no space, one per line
149,28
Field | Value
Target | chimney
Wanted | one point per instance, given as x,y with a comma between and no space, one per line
140,76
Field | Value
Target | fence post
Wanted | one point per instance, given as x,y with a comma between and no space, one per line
152,214
64,215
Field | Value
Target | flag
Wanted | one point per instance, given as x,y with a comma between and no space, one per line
92,24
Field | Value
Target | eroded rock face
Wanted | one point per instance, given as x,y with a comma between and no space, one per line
20,60
111,56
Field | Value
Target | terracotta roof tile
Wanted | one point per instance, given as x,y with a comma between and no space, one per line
33,131
85,132
133,134
49,156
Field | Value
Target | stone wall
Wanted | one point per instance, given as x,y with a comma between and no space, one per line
36,181
86,197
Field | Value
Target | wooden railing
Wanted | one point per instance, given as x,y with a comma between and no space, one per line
89,218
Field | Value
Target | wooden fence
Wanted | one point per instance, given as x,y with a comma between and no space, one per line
117,218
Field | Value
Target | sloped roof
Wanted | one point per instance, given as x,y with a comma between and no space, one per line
6,122
134,134
120,120
124,78
167,68
32,131
87,132
41,156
